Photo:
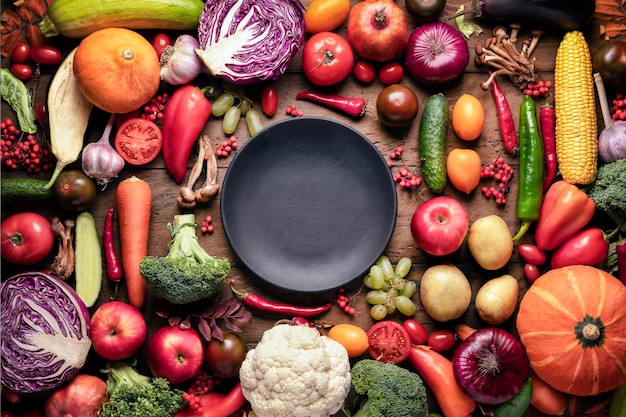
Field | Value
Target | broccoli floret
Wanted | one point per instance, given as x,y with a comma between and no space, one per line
133,394
387,390
608,191
188,273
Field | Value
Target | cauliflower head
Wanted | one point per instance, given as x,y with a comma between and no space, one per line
295,372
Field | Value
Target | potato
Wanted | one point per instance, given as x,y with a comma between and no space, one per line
445,292
496,299
490,242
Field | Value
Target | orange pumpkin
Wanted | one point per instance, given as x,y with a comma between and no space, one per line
572,322
117,69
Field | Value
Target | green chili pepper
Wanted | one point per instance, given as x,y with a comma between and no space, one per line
530,191
516,406
15,93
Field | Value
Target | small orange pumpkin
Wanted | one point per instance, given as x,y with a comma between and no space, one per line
572,322
117,69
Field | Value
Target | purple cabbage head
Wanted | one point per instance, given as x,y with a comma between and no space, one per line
245,41
45,332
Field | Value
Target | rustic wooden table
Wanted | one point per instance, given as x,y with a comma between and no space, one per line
488,145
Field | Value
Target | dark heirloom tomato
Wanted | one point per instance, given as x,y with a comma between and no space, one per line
27,238
425,10
610,61
138,141
396,105
327,58
75,191
388,342
224,358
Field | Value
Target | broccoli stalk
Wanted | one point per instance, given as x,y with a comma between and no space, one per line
188,273
133,394
608,191
387,390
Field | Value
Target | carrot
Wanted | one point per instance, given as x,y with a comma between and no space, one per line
547,399
134,204
463,331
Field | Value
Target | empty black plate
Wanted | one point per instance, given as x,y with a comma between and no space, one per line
308,204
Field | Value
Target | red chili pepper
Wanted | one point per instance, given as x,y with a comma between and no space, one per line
547,124
505,119
620,250
260,303
587,247
113,264
185,116
353,106
215,404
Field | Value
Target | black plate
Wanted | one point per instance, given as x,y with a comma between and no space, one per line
308,204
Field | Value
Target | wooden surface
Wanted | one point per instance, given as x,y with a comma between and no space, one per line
488,145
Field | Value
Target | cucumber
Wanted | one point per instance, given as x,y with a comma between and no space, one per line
79,18
618,402
432,142
88,253
24,191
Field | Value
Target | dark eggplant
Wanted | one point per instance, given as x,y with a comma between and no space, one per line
548,15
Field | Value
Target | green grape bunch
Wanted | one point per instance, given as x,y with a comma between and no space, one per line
389,290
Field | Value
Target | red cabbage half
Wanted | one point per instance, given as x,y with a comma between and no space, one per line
45,332
245,41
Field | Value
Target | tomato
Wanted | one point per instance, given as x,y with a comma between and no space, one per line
74,191
40,112
11,396
6,413
396,105
27,238
138,141
22,71
160,42
417,332
326,15
46,55
610,61
224,358
351,337
531,253
364,71
388,342
391,73
20,53
441,340
269,100
463,167
327,58
425,10
531,272
468,117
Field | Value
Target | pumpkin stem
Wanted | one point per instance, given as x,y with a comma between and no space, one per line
127,54
591,332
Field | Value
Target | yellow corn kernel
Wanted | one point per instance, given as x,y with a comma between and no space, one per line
575,108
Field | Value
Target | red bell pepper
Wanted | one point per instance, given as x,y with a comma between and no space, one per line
587,247
565,210
215,404
185,116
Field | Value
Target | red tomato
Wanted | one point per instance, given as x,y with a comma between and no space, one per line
22,71
20,53
160,42
11,396
531,272
40,112
388,342
327,58
417,332
138,141
46,55
441,340
531,253
364,71
269,100
391,73
27,238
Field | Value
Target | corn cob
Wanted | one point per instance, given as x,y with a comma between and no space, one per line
574,104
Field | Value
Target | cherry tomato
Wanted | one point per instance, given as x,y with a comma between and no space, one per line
531,253
364,71
327,58
269,100
138,141
396,105
22,71
326,15
417,332
224,358
441,340
391,73
531,272
351,337
20,53
46,55
160,42
27,238
40,112
388,342
11,396
468,117
425,10
74,191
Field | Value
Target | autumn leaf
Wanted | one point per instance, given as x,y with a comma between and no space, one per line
22,24
613,10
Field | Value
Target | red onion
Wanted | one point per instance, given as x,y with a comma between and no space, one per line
491,365
436,53
612,140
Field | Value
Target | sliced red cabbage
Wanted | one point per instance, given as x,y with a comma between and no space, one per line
45,332
245,41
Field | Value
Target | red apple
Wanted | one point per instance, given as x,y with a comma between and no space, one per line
175,354
440,225
117,330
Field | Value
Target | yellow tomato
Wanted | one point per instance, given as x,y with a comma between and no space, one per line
351,337
463,167
326,15
468,117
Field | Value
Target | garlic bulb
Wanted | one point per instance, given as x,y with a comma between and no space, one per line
179,63
100,160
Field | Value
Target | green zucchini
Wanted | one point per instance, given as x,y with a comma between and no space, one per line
618,402
24,190
79,18
88,259
432,142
